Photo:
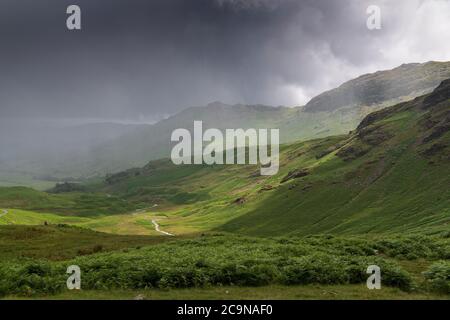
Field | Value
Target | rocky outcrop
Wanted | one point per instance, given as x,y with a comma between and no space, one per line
295,174
439,95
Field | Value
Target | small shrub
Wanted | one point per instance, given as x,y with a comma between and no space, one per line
438,276
396,277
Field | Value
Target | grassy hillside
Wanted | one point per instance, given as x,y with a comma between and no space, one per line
390,175
332,113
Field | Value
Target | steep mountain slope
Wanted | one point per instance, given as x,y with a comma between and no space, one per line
294,123
390,175
335,112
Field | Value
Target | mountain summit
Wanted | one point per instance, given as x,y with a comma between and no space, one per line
383,87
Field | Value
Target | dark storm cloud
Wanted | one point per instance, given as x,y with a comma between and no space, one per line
136,57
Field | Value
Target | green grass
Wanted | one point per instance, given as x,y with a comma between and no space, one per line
33,261
376,196
137,223
59,242
390,187
74,203
24,217
272,292
375,180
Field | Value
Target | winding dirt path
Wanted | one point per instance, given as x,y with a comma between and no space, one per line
157,228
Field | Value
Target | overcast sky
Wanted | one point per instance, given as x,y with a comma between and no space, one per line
136,59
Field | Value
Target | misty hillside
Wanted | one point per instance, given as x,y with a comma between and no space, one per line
335,112
153,142
32,150
25,137
390,175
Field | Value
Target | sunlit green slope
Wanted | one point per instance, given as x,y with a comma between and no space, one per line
390,175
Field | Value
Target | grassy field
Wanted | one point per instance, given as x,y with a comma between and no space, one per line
87,204
59,242
24,217
137,223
